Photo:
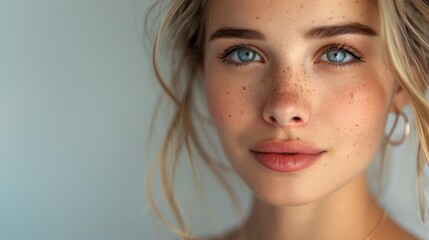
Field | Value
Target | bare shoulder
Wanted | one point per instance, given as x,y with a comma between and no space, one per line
392,231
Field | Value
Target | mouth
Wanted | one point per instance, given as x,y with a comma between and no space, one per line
287,156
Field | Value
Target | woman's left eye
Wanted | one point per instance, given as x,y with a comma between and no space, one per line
339,56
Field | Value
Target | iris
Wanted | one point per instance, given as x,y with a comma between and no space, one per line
336,56
246,55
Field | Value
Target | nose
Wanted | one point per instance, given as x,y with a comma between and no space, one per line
287,105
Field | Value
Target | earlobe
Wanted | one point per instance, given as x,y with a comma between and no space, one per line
400,100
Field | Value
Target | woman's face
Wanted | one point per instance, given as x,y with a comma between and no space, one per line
298,92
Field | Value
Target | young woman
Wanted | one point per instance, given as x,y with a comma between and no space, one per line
299,93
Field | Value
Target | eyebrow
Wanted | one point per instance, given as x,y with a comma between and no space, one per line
335,30
313,33
229,32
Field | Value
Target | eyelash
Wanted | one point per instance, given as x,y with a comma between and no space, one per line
358,58
223,56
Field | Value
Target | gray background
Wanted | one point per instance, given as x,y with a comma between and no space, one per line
76,95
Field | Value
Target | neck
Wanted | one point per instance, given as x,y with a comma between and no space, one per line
348,213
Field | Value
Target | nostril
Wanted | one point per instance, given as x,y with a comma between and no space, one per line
296,119
272,119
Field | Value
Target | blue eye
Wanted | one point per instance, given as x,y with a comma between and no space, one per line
337,56
240,55
340,54
244,56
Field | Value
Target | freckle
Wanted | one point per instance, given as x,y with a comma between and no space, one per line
302,6
344,16
242,112
357,125
257,17
229,115
325,165
336,92
298,139
330,18
351,95
227,92
244,88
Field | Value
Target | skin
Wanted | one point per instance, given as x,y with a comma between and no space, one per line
291,92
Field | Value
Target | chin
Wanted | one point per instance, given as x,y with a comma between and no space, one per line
285,200
286,194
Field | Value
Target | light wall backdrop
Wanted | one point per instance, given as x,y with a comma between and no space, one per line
76,98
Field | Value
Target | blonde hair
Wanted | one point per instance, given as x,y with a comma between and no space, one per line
183,25
405,33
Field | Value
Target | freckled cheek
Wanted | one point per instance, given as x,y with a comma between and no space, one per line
227,102
218,106
362,114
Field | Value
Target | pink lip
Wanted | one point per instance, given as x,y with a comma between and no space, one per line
289,156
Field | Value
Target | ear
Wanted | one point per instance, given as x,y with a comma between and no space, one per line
400,99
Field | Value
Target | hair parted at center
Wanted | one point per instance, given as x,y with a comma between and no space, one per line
405,37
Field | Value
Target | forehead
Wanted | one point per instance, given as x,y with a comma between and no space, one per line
289,15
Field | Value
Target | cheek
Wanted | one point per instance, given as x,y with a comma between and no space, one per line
227,102
361,114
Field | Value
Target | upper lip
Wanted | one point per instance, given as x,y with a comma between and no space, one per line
290,147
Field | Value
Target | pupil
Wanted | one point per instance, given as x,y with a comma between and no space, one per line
336,56
246,55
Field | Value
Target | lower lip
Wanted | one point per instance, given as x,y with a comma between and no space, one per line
286,163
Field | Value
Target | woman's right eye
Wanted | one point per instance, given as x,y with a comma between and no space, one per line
244,56
240,55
